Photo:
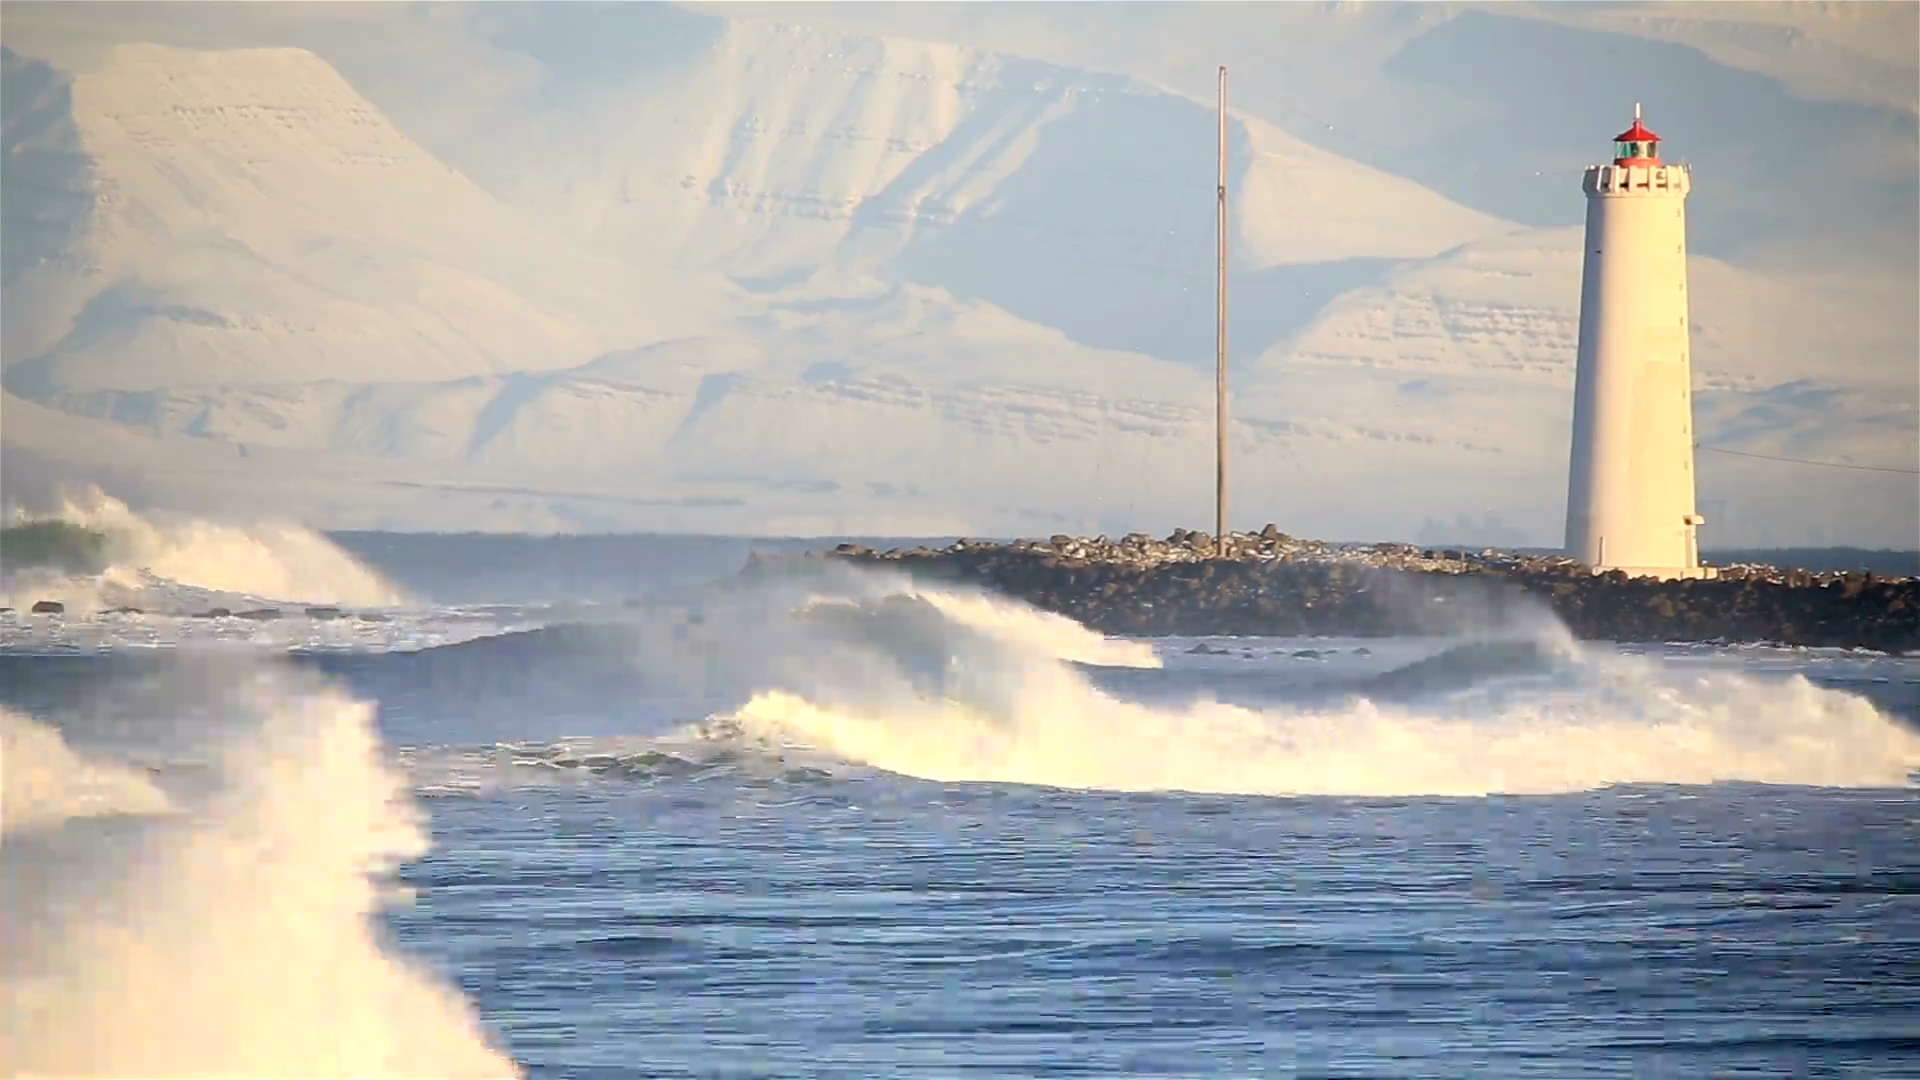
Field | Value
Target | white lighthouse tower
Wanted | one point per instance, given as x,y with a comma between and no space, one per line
1630,491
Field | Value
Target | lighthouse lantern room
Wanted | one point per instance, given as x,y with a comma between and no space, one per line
1637,145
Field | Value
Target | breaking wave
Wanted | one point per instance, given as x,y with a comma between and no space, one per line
162,562
44,782
945,691
951,684
232,934
1065,734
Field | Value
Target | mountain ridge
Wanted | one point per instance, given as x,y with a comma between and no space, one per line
665,343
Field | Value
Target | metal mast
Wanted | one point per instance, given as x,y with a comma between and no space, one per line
1220,343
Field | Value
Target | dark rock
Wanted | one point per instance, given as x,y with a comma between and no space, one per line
1275,585
124,611
324,612
49,607
266,614
216,613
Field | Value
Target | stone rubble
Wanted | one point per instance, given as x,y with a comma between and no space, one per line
1271,583
1142,552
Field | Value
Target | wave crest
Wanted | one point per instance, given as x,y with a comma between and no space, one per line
1535,715
1079,738
236,937
170,561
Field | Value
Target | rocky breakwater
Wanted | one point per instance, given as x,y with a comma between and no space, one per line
1269,583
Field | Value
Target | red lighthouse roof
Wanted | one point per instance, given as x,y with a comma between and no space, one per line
1637,145
1639,132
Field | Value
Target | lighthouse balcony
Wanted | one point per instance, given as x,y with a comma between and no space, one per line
1637,180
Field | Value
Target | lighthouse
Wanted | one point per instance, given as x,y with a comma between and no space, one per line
1630,487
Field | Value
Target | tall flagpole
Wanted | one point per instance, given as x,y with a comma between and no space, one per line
1220,332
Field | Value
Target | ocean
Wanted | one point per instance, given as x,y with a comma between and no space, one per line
596,809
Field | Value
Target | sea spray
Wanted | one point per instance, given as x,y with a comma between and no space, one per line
1023,626
152,556
236,935
811,635
951,683
1722,727
44,782
1018,711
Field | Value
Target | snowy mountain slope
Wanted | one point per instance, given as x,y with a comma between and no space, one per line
1510,307
1835,51
560,80
1787,177
789,149
1821,50
1475,350
623,409
1494,104
1483,102
974,291
246,217
1481,343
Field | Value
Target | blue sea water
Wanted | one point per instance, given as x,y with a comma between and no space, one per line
858,828
881,928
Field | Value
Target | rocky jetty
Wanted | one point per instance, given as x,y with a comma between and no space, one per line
1273,584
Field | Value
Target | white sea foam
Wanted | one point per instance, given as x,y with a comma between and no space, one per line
154,557
44,782
235,936
1019,713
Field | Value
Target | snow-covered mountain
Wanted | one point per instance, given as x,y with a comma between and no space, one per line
211,218
655,268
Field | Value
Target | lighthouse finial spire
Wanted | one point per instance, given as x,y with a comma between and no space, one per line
1636,110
